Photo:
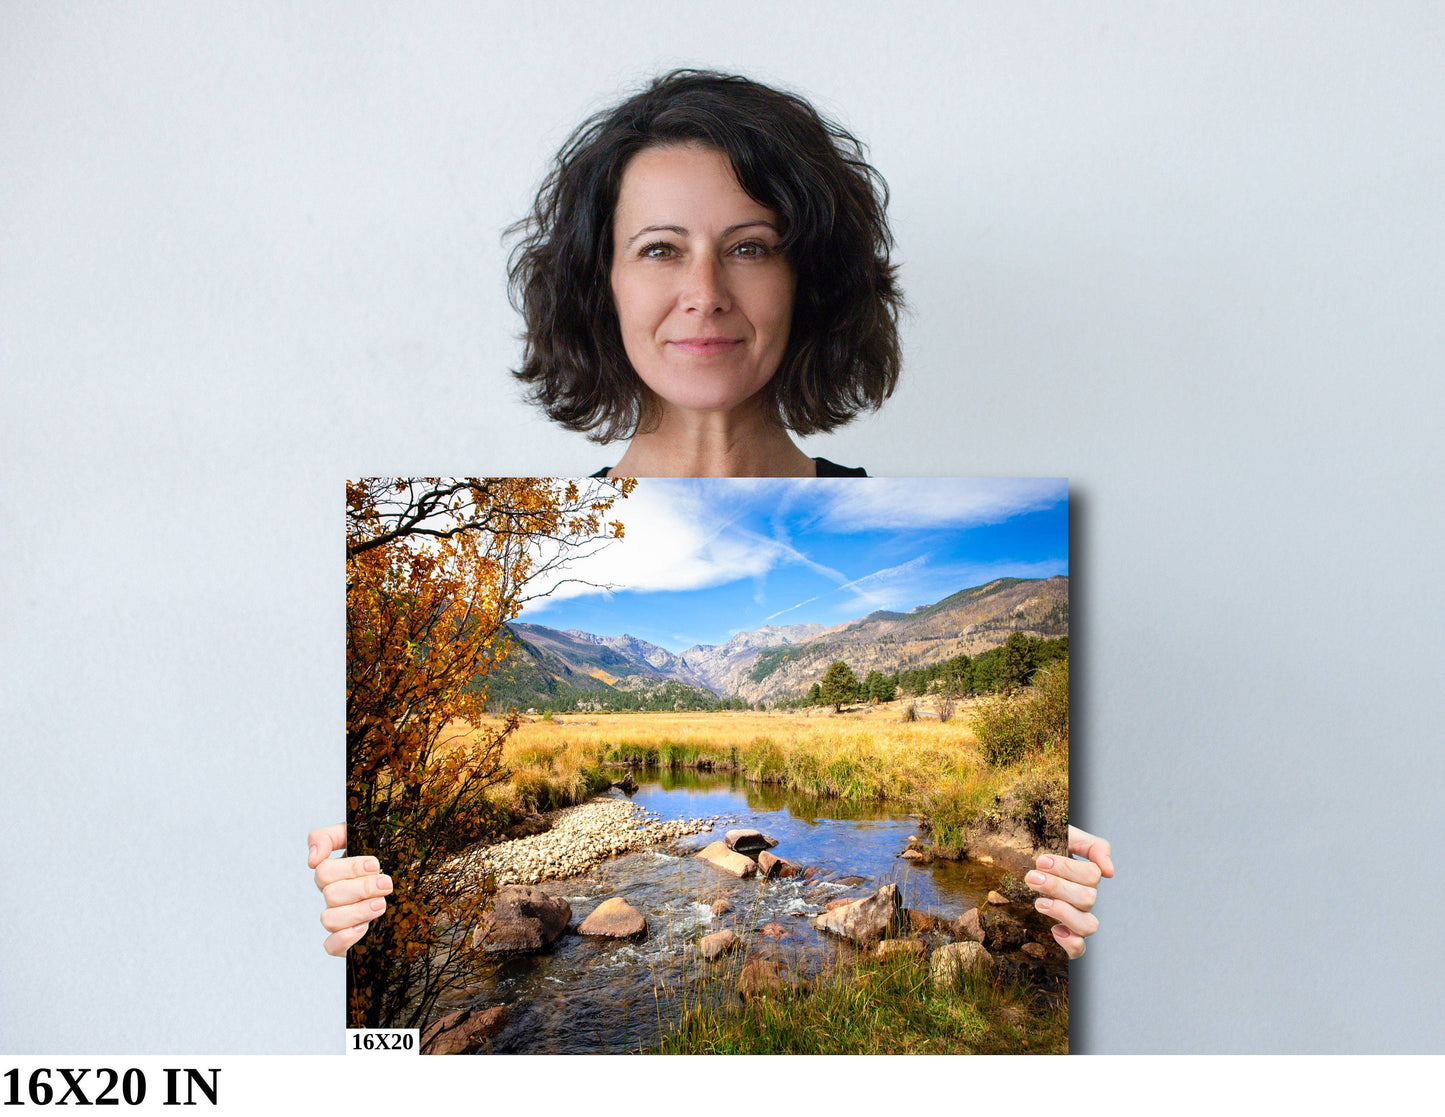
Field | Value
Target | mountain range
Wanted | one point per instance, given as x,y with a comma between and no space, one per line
782,660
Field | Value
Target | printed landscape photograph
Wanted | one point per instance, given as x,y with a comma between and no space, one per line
709,765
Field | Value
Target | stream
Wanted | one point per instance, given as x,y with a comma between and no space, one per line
592,996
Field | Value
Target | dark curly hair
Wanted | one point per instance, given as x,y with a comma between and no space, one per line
843,353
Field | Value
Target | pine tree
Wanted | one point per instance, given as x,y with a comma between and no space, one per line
839,685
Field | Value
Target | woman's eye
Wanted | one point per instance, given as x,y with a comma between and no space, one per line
660,250
751,249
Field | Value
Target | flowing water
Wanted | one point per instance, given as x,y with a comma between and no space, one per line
590,995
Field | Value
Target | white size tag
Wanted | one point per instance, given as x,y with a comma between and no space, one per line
383,1041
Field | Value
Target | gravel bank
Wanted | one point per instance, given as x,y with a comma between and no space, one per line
580,837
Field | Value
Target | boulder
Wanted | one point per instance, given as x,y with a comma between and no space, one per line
1002,932
761,978
718,943
920,920
851,881
626,783
1035,950
522,919
996,899
834,905
614,919
874,917
812,872
897,948
1016,890
720,857
720,906
968,926
911,854
772,866
462,1032
1021,968
951,962
748,841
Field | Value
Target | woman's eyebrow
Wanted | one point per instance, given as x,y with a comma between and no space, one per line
680,231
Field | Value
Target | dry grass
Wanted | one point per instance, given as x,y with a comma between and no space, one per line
868,753
726,729
863,754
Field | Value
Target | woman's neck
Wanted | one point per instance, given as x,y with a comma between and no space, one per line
744,443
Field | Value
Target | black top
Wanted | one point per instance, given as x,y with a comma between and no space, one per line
825,469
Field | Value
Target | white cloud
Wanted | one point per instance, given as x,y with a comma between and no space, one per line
678,536
910,584
931,502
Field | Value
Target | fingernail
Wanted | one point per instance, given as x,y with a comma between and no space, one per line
384,882
314,851
1046,862
1035,878
378,904
1060,931
1043,903
371,865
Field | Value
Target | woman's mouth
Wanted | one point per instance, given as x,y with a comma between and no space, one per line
706,346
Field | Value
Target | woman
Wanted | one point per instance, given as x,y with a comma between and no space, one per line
706,272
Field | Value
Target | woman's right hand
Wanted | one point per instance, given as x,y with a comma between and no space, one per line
355,888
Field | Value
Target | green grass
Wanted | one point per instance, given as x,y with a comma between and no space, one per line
868,1007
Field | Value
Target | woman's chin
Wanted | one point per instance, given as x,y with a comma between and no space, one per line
703,400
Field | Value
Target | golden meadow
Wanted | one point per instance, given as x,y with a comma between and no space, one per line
940,769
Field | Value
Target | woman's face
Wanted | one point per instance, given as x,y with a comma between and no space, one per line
702,294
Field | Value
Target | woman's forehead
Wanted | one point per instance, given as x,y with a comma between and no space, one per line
685,185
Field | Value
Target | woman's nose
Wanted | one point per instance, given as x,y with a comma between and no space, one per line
705,286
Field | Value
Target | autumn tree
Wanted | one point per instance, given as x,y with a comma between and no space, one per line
435,567
838,685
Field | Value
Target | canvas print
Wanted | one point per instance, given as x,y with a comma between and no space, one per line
709,765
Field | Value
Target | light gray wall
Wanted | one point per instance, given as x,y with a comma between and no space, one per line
1188,256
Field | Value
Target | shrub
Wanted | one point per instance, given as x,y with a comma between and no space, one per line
1039,799
1002,730
1010,728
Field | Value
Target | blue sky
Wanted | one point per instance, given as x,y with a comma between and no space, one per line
704,558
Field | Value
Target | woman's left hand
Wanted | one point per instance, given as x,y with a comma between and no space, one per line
1070,887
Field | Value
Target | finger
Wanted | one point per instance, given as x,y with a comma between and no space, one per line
355,889
1081,896
1079,922
1095,848
1080,872
1073,944
342,941
349,915
323,842
340,868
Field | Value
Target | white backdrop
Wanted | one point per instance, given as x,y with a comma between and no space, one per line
1189,257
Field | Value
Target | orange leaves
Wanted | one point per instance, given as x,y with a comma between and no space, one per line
435,568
